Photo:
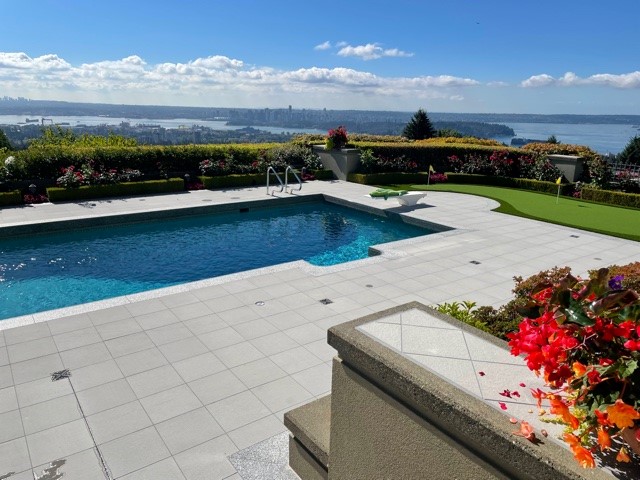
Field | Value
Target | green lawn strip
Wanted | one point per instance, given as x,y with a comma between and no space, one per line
594,217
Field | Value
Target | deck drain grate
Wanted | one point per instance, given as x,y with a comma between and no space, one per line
475,262
60,374
260,303
575,236
326,301
368,285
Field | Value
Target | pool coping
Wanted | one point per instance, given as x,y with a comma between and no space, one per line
377,253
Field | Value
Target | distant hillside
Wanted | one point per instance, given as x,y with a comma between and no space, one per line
285,116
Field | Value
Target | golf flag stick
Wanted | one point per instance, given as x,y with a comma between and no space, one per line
559,183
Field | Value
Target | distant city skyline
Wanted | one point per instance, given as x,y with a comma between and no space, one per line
545,57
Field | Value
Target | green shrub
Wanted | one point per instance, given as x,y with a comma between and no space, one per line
253,179
610,197
87,192
10,198
229,181
47,162
394,178
463,312
507,318
597,172
323,174
630,275
522,183
424,154
525,287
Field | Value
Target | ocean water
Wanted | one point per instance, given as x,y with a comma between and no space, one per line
603,138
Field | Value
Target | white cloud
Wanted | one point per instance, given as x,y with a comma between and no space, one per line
570,79
498,84
323,46
216,80
371,51
538,81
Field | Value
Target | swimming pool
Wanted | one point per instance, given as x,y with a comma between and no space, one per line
55,270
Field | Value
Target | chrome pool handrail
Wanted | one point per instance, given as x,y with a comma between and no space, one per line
271,169
286,179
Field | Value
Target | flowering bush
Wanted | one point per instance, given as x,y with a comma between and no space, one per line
30,199
502,165
627,181
336,138
87,174
71,178
215,167
438,178
583,337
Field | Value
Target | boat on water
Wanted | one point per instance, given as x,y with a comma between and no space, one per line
32,120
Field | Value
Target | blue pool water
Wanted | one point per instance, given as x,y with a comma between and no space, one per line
50,271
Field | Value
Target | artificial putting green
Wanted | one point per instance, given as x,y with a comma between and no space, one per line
594,217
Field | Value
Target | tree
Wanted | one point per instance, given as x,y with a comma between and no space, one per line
419,127
552,139
4,141
631,153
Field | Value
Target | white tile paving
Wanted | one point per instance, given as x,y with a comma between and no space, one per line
174,381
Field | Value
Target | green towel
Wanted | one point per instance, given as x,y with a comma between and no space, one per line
387,192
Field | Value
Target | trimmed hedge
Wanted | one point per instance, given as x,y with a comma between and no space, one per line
13,197
227,181
522,183
436,155
47,162
396,178
86,192
251,179
610,197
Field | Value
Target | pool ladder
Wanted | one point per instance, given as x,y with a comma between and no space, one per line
283,186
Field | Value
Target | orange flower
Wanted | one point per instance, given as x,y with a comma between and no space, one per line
571,439
578,369
604,440
623,456
622,414
583,456
558,407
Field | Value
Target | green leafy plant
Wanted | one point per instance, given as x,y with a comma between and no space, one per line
462,311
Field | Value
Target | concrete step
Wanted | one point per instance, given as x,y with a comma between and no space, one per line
310,427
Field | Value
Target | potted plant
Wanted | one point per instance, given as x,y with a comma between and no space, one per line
583,337
336,138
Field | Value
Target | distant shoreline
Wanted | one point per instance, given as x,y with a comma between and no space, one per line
35,108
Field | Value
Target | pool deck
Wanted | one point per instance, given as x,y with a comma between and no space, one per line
192,382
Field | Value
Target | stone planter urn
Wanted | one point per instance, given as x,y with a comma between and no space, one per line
340,161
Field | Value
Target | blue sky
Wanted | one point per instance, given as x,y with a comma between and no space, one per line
562,56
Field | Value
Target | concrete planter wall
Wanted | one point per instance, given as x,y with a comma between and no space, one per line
340,162
389,417
570,166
